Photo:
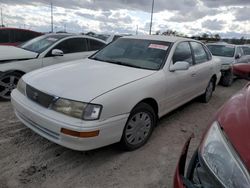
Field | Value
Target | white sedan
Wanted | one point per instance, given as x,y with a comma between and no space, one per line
41,52
117,94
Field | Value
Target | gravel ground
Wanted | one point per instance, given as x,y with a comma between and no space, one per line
28,160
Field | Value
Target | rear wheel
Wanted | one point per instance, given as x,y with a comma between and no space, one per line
8,82
139,127
209,91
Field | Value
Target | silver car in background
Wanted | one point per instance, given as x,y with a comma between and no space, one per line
229,54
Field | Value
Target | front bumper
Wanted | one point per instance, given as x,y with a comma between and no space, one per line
49,123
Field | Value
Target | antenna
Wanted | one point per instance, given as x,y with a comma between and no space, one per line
152,12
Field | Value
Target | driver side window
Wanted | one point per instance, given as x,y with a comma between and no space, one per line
183,53
73,45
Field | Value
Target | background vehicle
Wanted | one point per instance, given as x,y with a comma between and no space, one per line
229,54
222,159
106,37
126,87
15,36
41,52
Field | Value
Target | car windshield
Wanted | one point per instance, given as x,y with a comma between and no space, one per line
145,54
222,50
41,43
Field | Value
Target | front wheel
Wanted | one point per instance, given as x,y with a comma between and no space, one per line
8,82
227,79
139,127
208,92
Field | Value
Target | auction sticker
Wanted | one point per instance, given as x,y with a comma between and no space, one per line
158,46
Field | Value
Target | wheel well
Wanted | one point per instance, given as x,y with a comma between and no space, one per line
152,102
14,71
214,78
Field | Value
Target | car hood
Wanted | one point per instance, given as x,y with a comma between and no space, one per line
234,118
83,80
14,53
225,60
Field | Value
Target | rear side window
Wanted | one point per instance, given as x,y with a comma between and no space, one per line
4,36
73,45
183,53
246,50
95,45
209,55
200,55
239,51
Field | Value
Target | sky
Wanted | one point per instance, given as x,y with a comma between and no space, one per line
229,18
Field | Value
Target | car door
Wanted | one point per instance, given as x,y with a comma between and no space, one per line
180,84
203,65
73,49
239,55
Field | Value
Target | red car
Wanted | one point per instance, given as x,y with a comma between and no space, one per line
14,36
223,157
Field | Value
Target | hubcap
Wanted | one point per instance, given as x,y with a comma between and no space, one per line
7,84
138,128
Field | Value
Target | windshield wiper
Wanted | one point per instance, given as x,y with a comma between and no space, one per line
118,63
97,59
124,64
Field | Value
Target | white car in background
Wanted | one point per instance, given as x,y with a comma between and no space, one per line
41,52
117,94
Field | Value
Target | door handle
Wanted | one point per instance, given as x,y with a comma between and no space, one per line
194,75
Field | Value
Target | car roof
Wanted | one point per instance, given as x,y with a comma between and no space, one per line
65,35
172,39
221,43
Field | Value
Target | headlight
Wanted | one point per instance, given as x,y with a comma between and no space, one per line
21,86
222,159
77,109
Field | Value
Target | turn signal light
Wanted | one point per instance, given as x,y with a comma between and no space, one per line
80,134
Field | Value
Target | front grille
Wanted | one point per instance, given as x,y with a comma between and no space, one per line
39,97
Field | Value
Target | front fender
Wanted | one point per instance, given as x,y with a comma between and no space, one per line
123,99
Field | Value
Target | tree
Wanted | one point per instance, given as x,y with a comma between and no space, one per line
217,36
204,35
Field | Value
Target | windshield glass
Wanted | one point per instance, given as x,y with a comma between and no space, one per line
145,54
41,43
222,50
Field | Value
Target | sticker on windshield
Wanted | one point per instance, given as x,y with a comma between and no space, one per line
158,46
51,39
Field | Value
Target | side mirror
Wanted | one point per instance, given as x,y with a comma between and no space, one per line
57,52
179,66
237,56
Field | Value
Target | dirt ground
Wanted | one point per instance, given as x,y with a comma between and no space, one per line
28,160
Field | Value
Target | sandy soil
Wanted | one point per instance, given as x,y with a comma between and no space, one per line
28,160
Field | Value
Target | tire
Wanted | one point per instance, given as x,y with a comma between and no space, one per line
205,98
139,127
227,79
8,82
